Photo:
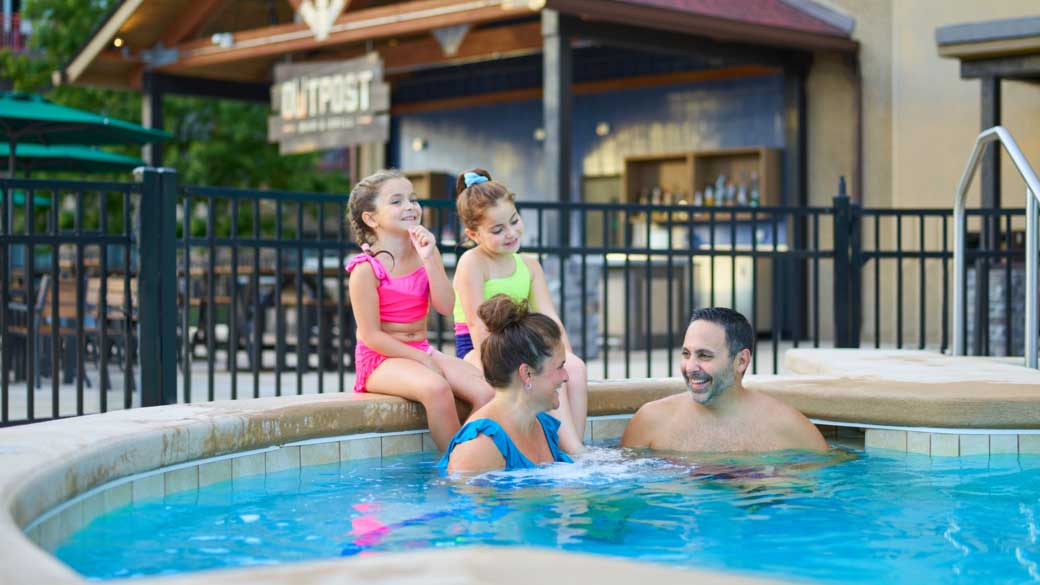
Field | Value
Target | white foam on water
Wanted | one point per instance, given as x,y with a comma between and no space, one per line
595,467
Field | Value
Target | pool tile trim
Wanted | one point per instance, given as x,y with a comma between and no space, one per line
164,473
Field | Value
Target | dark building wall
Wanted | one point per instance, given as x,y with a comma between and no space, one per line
501,138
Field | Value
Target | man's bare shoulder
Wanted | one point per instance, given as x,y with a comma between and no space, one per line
791,427
774,406
667,407
652,419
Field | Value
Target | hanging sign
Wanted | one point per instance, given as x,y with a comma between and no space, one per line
321,106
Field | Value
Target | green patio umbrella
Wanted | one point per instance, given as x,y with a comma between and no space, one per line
36,157
29,118
19,199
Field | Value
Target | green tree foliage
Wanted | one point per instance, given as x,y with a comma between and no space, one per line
216,142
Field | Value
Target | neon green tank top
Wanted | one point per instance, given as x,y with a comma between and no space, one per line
517,285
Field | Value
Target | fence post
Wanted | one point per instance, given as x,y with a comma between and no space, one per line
157,285
842,268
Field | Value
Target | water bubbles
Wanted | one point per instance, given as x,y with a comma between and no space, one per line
597,466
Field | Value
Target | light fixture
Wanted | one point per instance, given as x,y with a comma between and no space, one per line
223,39
539,134
117,42
419,144
602,129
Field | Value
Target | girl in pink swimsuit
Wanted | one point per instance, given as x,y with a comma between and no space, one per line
392,284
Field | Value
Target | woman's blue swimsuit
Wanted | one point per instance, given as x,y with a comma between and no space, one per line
515,459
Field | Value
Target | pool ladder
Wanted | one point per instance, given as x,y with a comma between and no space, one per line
997,134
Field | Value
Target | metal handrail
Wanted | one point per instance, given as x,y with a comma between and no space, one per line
997,134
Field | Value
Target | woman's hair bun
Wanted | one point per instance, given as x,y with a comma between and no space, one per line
500,313
460,181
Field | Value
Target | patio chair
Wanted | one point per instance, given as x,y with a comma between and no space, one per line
44,325
65,327
119,320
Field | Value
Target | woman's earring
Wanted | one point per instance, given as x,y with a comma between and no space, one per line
527,386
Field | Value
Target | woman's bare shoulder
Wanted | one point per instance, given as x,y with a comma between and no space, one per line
477,454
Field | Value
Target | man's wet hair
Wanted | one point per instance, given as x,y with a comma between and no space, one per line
739,334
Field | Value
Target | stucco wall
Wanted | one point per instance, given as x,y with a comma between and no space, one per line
937,115
920,120
920,117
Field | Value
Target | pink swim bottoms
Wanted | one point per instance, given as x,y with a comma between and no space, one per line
366,360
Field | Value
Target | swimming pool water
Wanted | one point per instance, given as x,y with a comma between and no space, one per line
844,517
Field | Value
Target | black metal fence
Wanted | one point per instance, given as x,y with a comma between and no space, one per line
208,293
53,234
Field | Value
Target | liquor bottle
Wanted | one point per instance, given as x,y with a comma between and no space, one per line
756,196
698,199
709,196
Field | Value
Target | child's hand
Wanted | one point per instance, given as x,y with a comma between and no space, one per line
431,365
423,241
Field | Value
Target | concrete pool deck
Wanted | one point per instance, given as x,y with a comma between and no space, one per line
56,477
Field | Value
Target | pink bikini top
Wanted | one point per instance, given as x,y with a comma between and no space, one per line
404,299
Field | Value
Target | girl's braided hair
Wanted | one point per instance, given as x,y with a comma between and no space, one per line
363,199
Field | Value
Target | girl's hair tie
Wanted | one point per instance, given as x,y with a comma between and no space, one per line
473,179
366,248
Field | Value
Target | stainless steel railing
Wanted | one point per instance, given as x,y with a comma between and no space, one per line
997,134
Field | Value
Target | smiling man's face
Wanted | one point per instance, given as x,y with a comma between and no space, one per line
707,366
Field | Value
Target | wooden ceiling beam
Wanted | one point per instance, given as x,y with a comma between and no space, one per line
195,15
587,88
394,20
426,52
479,44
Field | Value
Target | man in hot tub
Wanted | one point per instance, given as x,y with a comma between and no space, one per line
718,414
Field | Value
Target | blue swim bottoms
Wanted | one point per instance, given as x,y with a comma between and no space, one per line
463,344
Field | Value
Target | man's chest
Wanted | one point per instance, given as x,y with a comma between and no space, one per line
713,436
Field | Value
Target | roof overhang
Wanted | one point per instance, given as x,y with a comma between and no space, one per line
664,18
163,36
1008,48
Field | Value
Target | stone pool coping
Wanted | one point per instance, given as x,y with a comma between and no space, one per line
909,389
471,566
43,465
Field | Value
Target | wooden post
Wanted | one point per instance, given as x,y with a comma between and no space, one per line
556,104
794,192
795,137
152,117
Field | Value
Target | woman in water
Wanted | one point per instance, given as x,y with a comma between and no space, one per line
390,306
524,361
488,212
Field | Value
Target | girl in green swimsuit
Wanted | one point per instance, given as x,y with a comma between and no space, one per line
493,266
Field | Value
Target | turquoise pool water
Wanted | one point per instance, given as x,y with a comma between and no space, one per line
844,517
